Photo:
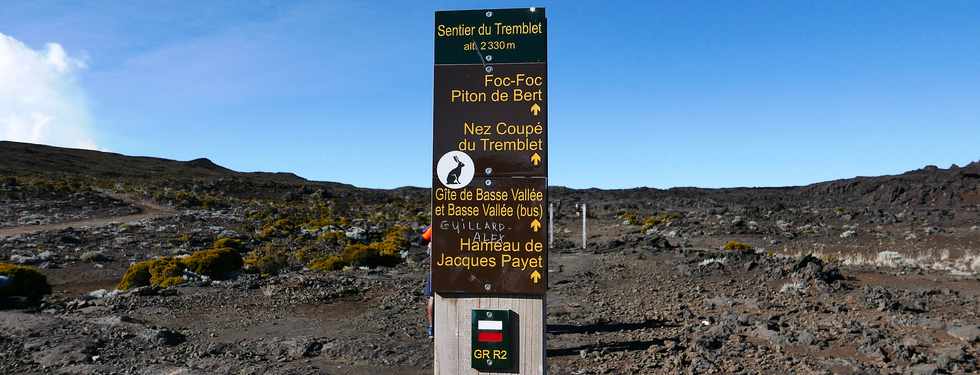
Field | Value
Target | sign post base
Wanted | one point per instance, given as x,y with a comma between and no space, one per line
453,346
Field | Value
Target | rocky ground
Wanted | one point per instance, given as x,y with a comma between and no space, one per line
846,277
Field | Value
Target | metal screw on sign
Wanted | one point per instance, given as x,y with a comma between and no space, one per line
489,14
488,68
488,171
489,314
488,183
489,57
489,362
487,286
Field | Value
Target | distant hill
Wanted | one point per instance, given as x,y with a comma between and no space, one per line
28,159
926,187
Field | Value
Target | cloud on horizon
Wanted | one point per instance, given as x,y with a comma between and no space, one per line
40,99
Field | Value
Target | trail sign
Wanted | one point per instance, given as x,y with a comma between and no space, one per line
498,118
490,153
488,237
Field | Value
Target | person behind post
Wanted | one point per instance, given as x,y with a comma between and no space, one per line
427,290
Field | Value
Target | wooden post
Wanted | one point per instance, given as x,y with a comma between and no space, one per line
452,332
472,265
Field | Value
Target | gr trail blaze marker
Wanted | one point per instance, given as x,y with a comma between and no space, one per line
493,341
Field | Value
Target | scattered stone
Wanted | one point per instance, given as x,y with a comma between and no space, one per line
162,336
967,333
924,369
94,256
24,259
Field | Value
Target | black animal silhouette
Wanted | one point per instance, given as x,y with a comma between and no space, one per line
453,177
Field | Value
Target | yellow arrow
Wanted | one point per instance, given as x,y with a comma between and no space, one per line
535,277
535,225
535,159
535,108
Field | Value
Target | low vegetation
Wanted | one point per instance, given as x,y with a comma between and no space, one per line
385,253
214,263
24,282
169,271
737,246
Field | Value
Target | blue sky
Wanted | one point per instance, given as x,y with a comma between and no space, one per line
659,94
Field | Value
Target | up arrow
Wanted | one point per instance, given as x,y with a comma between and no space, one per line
535,277
535,108
535,225
535,159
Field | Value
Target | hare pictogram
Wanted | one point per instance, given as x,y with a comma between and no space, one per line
453,177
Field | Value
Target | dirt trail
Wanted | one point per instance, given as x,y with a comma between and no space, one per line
149,210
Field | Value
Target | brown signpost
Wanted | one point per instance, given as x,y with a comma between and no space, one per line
489,190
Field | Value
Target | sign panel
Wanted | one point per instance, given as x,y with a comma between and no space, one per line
493,36
490,160
499,118
490,237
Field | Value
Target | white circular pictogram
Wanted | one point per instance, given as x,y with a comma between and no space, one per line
455,169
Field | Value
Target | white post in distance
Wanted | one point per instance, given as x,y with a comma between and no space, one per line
585,238
551,225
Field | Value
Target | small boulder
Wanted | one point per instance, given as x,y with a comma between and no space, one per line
94,256
967,333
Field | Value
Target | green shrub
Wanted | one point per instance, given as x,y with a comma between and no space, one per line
278,228
385,253
659,219
214,263
395,240
737,246
333,238
169,271
228,242
630,218
24,281
268,259
328,263
368,256
161,272
268,264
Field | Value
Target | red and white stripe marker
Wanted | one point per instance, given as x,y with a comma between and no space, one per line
489,331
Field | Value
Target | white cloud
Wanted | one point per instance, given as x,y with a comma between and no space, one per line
40,100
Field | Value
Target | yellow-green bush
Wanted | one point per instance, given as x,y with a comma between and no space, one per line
168,271
367,255
333,238
278,228
318,223
161,272
357,255
228,242
395,240
214,263
24,281
266,264
268,259
659,219
737,246
630,218
328,263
